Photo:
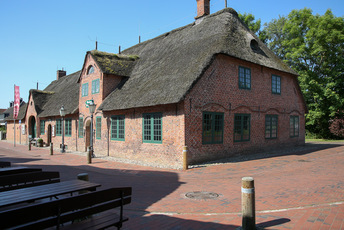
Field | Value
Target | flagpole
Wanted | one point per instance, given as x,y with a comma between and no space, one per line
14,120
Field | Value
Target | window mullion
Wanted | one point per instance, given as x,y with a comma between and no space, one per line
152,127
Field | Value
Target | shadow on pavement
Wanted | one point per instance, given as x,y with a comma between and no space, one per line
148,188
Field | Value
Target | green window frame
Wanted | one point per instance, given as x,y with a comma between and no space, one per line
118,128
276,84
68,127
42,127
98,127
212,128
294,126
84,90
271,126
81,127
58,127
95,86
242,127
244,78
152,128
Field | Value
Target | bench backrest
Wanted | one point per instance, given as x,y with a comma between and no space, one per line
4,164
60,211
24,180
16,170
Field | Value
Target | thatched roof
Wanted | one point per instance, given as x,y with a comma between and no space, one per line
64,91
115,64
21,114
169,65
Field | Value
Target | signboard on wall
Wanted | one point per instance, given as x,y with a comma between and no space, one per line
53,130
23,129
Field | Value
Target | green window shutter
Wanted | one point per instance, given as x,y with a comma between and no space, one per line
58,127
271,124
212,130
42,127
242,127
152,128
81,127
118,128
276,84
98,127
244,78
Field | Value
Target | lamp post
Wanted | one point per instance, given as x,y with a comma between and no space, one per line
62,113
92,108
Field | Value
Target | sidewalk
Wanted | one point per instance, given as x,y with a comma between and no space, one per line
303,190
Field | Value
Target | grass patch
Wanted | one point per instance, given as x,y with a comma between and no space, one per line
322,140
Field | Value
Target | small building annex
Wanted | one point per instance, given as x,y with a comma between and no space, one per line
212,86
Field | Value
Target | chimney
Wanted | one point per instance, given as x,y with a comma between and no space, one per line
60,73
203,8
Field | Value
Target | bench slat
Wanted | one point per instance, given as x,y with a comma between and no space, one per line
23,180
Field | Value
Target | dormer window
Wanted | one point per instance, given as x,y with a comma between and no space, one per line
90,69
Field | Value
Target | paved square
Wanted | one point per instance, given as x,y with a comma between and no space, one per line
300,188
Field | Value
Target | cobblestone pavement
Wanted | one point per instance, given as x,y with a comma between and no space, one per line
299,188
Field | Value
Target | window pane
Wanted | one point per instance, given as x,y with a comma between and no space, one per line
58,127
98,127
157,128
121,127
42,126
218,134
248,78
207,127
241,127
237,128
113,128
246,128
267,127
81,124
147,128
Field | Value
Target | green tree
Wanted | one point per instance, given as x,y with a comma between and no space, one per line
249,20
313,45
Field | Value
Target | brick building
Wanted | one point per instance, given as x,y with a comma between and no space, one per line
211,85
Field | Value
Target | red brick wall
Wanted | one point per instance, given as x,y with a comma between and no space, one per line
218,91
69,141
20,137
166,154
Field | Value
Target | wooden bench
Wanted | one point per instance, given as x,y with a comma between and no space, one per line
24,180
17,169
72,212
4,164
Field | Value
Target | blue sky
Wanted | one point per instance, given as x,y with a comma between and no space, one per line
38,37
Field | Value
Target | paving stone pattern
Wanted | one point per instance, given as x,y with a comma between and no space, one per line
302,188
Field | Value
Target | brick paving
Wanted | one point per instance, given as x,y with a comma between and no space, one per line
301,190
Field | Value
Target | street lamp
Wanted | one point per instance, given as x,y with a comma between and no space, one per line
92,108
62,113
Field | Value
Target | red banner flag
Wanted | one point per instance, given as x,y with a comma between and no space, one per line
16,102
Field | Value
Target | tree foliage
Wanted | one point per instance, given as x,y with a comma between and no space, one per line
337,127
313,45
249,20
